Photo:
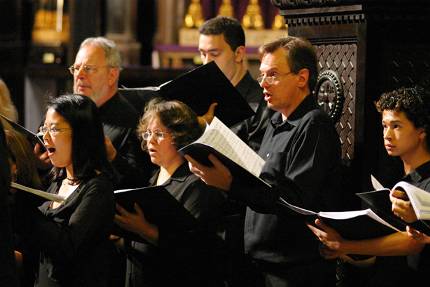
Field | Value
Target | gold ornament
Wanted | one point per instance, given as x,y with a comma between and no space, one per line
194,16
252,18
226,9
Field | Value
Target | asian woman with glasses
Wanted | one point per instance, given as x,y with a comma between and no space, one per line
73,235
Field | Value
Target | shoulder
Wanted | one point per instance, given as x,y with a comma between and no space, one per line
98,184
119,112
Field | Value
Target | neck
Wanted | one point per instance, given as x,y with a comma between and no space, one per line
238,76
287,111
167,170
411,162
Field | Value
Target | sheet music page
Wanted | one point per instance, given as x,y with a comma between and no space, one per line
44,194
375,183
221,138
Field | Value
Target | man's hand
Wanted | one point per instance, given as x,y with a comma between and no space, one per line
217,175
110,149
208,117
329,237
401,206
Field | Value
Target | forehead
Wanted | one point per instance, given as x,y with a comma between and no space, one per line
212,42
394,116
274,61
52,117
91,54
155,123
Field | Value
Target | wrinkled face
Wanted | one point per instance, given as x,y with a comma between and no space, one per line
283,92
159,143
58,139
215,48
401,137
93,77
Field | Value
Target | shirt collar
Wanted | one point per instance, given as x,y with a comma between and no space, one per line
308,104
421,172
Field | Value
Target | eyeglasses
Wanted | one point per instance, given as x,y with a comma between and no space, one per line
271,79
53,131
159,135
88,69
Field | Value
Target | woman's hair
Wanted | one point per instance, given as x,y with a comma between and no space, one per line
176,116
21,154
88,147
7,108
413,101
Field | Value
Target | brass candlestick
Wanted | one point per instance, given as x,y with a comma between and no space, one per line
226,9
194,16
252,18
278,22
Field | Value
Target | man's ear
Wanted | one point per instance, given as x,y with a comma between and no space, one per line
113,76
303,78
423,134
239,54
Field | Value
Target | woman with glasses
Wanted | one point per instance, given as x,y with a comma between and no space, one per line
72,235
172,258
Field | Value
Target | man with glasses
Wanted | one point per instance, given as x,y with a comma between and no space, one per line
95,75
302,152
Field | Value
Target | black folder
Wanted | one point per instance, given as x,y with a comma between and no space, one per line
31,136
198,88
379,202
204,85
158,206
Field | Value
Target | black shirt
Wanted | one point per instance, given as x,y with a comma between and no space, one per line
132,166
302,157
420,177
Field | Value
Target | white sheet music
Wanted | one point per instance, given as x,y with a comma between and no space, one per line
221,138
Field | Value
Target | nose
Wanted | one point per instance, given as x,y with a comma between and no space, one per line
206,59
387,133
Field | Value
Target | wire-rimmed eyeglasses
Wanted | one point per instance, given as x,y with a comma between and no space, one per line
270,79
88,69
53,131
159,135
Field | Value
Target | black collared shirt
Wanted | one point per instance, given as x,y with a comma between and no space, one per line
420,177
302,157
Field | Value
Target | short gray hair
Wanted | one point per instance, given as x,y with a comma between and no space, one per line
112,54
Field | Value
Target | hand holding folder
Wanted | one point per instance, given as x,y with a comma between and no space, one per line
159,207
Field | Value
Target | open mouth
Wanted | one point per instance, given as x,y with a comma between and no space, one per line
51,149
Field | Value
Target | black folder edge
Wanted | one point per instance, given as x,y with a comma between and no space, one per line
200,153
355,228
379,202
204,85
159,208
31,136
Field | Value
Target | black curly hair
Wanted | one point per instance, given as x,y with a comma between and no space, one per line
413,101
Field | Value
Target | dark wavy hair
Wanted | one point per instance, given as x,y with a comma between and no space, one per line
300,53
229,27
413,101
88,148
176,116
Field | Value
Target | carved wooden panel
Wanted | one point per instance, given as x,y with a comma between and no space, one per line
342,59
